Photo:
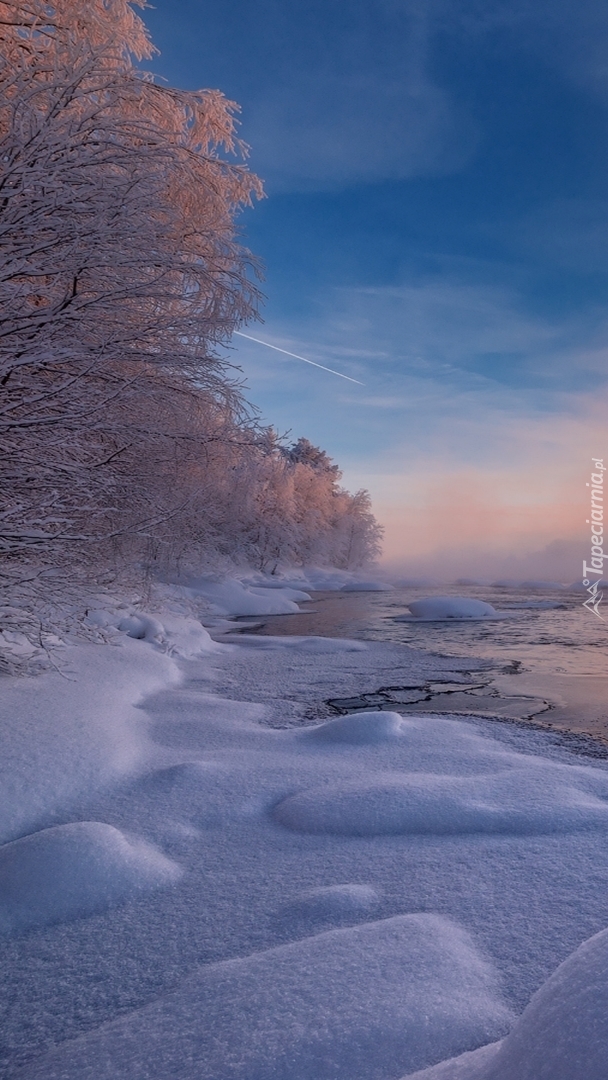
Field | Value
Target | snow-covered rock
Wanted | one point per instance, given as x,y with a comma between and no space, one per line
562,1035
449,607
72,870
358,729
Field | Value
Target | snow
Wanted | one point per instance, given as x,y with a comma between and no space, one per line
361,729
63,735
320,579
73,870
333,903
231,597
180,635
205,875
450,607
562,1035
525,800
347,1004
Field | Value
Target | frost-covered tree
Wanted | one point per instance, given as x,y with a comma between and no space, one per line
117,212
119,258
124,437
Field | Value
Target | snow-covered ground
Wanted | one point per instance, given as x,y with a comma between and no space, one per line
206,876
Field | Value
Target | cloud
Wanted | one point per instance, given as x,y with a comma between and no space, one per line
343,94
498,494
470,464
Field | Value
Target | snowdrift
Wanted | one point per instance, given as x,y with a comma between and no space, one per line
562,1035
73,870
342,1005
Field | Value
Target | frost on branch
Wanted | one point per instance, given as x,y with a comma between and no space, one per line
124,435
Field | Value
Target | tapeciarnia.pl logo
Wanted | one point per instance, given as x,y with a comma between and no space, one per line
596,521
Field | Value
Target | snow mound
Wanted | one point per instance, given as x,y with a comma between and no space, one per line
450,607
519,801
72,870
65,737
334,901
359,729
231,597
179,635
303,644
141,627
288,589
562,1034
186,637
349,1004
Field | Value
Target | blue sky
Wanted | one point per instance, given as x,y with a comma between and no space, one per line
437,227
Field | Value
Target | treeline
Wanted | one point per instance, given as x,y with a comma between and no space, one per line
124,435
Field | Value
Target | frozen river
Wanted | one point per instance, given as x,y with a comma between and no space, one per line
547,659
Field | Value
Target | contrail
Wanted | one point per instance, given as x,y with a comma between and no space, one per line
296,357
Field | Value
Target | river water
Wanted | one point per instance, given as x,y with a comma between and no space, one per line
547,648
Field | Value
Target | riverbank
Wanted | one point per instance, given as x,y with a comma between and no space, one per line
207,873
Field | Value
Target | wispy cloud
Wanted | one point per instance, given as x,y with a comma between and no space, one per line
467,463
346,95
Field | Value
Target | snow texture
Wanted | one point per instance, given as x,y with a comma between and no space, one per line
73,870
351,1004
333,902
64,736
360,897
562,1035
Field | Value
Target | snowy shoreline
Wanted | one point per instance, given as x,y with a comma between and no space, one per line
204,876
